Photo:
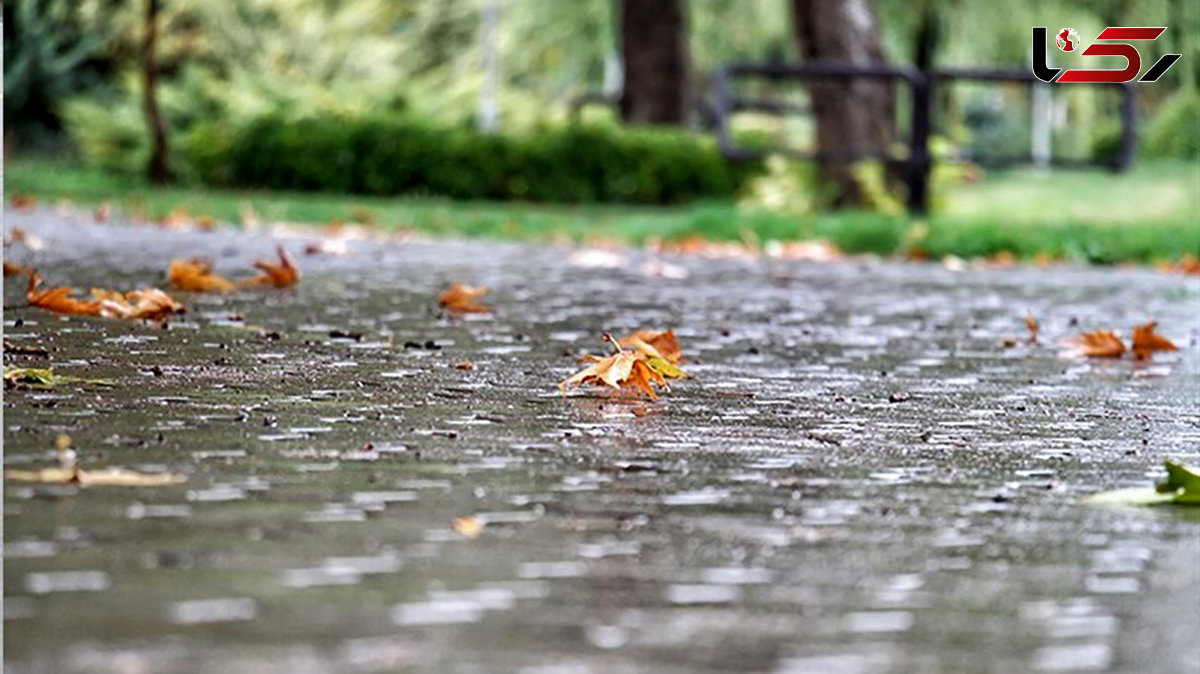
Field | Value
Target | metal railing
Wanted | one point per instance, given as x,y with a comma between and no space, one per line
917,163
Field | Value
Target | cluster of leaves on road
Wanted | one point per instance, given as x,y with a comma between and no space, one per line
150,304
68,472
1181,487
1108,344
196,274
651,359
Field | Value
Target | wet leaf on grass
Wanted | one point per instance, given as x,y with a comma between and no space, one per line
196,275
279,274
627,371
460,298
68,472
44,378
1182,487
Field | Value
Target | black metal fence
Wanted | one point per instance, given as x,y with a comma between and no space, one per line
917,163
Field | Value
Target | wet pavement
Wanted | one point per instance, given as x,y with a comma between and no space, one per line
860,478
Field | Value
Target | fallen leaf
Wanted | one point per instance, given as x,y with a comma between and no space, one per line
1097,344
470,526
14,269
460,298
23,202
281,275
196,275
623,370
57,300
1032,325
43,378
1182,487
149,304
1146,342
68,472
18,235
662,344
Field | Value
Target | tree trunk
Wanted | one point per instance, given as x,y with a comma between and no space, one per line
655,54
158,170
853,117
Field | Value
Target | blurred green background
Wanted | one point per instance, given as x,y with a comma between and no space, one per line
460,115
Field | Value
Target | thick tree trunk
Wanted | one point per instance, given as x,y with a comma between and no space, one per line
655,54
853,117
158,170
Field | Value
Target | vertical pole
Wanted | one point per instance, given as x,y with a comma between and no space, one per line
1041,135
489,112
921,86
1128,128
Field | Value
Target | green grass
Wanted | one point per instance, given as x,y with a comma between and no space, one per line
1146,215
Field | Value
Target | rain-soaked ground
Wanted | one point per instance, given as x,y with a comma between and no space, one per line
859,479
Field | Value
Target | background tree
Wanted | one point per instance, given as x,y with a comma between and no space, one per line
158,170
654,48
853,117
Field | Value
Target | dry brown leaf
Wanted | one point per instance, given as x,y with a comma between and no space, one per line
460,298
109,477
1033,326
661,344
57,300
281,274
196,275
1146,342
67,472
1098,344
23,202
623,370
18,235
150,304
14,269
469,526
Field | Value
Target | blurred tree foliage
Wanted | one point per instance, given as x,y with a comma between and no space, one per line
241,59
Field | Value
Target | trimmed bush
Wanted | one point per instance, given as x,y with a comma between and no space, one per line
389,155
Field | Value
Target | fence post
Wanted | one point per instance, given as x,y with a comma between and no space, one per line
1128,128
918,143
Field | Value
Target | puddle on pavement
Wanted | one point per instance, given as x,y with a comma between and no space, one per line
859,478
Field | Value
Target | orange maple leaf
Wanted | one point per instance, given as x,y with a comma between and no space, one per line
460,298
1146,342
281,274
624,370
1098,344
661,344
58,300
196,275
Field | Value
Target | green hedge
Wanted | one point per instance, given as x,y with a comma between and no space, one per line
396,155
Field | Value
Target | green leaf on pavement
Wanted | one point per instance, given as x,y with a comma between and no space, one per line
1182,487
